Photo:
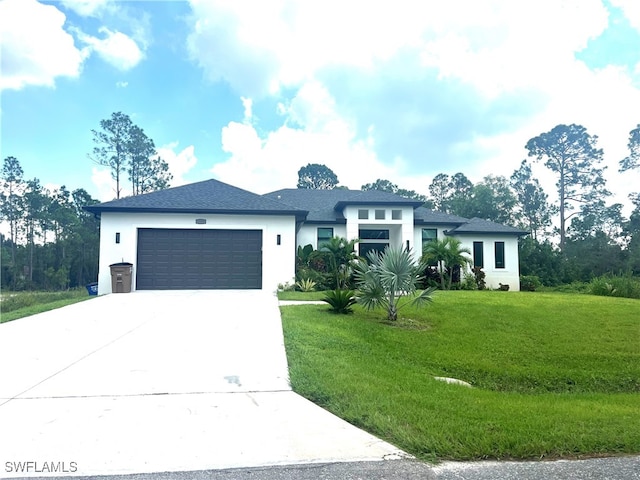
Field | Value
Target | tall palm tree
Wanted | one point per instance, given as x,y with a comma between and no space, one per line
448,253
437,251
341,253
456,257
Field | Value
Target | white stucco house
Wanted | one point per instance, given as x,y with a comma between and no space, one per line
211,235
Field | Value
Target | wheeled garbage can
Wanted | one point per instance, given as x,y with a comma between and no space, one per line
121,277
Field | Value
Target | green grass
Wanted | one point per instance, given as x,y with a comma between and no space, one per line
291,295
16,305
554,375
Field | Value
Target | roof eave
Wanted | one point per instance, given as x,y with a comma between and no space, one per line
302,214
337,221
485,232
419,221
409,203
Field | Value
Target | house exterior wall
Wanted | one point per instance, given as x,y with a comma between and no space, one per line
417,234
308,233
510,274
278,261
400,230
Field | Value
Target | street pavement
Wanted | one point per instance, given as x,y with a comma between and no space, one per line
614,468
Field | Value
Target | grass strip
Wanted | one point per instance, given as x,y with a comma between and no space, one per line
15,305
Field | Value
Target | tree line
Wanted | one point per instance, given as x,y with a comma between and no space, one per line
53,243
593,237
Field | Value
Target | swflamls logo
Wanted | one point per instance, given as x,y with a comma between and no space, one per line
40,467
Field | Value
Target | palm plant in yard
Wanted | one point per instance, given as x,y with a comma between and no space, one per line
387,277
447,253
340,300
341,253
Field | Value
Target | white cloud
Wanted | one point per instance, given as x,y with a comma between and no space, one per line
180,163
247,103
117,49
122,84
85,8
496,53
260,46
105,186
317,135
35,47
500,46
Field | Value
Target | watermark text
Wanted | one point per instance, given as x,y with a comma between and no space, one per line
29,466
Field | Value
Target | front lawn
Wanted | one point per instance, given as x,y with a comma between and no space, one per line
554,375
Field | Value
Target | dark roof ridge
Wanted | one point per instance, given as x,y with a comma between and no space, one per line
481,225
206,196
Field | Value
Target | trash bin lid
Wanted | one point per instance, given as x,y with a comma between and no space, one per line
121,264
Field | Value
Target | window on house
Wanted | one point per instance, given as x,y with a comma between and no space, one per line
372,239
380,214
373,234
363,214
478,254
324,235
499,248
428,235
364,248
396,214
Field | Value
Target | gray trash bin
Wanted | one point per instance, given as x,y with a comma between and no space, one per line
121,277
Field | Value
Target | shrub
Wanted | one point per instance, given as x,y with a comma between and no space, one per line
322,280
306,285
573,287
469,282
286,287
479,277
529,283
615,286
340,301
318,261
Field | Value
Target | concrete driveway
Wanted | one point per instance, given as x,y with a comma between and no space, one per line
160,381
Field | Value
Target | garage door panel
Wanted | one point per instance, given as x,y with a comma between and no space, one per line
199,259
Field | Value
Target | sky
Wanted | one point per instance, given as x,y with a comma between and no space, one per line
248,92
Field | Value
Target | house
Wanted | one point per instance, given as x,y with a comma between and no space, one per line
379,219
211,235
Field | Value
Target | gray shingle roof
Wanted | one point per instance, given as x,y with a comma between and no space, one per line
478,225
325,206
312,206
425,215
210,196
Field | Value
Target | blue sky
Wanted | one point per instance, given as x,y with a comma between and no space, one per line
250,91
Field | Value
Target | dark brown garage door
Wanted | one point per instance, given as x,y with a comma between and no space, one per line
170,259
